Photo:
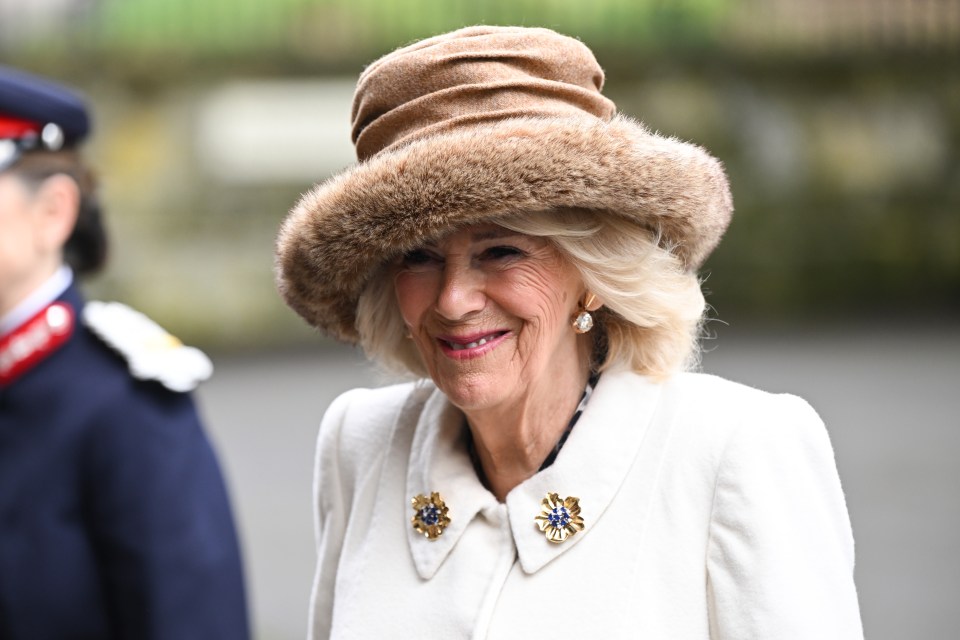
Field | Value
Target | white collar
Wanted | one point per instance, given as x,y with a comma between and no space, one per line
40,298
592,466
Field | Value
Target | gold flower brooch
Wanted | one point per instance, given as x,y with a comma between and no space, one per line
559,519
430,517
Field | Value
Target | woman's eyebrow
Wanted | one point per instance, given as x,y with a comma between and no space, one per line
492,234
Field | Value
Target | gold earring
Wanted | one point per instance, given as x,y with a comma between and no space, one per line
584,320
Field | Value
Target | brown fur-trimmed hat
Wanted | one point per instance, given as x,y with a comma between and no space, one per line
480,124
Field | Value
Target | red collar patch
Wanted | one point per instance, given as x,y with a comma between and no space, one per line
34,340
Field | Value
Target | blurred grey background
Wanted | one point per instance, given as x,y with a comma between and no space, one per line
839,280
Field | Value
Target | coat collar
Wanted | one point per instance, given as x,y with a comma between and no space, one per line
43,296
439,461
592,466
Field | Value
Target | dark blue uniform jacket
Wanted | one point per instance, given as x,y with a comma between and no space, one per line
114,519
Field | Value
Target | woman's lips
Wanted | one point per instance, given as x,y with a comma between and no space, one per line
471,345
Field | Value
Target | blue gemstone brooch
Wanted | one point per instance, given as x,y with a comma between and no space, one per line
430,517
559,519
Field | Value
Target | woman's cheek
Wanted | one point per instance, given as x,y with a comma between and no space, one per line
411,293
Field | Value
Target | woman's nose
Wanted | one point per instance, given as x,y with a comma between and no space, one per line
461,292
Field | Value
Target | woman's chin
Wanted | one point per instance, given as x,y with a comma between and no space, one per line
476,393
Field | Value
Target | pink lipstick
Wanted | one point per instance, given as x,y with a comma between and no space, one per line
473,345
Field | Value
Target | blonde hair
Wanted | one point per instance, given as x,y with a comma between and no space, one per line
652,306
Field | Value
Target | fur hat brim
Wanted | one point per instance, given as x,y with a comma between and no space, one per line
342,230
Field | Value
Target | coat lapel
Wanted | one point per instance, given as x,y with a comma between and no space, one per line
439,462
592,465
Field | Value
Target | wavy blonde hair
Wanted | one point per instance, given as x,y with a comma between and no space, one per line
652,311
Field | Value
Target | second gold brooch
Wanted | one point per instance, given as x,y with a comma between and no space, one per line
559,519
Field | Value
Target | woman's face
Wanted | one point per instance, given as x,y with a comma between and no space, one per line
21,251
489,310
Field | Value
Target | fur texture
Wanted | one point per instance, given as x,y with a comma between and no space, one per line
341,231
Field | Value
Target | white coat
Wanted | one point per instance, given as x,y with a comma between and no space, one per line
711,510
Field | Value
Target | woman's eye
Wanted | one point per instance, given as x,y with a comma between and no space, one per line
418,258
501,252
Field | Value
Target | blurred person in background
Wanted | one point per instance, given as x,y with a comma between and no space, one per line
530,258
114,518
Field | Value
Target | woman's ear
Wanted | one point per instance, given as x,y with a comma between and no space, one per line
58,204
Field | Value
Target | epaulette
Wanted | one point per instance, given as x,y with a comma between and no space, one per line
150,352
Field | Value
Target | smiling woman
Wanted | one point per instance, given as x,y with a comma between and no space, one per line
530,259
488,312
